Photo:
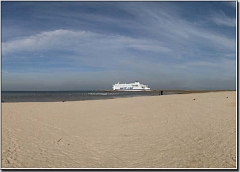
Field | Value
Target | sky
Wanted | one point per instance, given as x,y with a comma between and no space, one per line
57,46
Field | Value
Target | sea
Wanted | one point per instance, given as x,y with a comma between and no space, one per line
57,96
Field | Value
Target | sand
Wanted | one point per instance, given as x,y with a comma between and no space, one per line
172,131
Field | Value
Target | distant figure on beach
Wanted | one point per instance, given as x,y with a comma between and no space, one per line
161,93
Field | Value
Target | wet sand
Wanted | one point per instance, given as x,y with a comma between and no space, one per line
174,131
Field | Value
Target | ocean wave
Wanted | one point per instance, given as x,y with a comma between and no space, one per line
102,94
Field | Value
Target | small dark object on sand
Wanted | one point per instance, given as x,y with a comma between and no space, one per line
63,101
227,97
194,99
59,140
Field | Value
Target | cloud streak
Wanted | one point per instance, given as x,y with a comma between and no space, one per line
84,48
222,19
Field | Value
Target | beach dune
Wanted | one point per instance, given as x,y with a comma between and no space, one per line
173,131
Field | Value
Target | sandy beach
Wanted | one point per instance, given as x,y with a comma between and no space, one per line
173,131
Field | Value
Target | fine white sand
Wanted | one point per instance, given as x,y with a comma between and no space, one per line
172,131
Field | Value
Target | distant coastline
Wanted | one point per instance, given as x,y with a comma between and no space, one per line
178,91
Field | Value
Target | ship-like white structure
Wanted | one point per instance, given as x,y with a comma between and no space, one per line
130,87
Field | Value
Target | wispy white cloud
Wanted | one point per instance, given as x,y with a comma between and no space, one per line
151,48
167,25
78,41
231,3
221,18
48,40
202,63
164,24
84,50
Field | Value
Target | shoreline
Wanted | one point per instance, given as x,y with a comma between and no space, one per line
106,97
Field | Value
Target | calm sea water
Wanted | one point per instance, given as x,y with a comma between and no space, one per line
55,96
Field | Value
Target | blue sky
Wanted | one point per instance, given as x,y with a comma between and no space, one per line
91,45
